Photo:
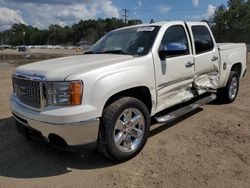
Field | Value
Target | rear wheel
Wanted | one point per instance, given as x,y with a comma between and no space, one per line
124,129
229,93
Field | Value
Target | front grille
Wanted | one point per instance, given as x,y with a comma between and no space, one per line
27,91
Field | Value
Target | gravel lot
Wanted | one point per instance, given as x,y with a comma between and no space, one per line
209,148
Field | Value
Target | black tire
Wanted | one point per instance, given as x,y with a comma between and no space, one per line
223,94
111,114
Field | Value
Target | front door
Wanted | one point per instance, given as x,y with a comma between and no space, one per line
176,73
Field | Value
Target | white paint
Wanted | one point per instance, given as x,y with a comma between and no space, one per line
104,75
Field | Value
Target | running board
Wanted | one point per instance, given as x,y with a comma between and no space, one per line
186,109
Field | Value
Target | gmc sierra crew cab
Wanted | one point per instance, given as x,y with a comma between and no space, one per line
107,97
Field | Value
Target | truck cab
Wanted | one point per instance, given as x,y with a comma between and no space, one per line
107,97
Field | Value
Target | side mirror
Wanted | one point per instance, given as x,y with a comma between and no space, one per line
172,49
163,54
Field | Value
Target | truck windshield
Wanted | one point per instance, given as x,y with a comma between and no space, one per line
135,41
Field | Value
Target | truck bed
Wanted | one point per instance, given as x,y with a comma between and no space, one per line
228,46
229,53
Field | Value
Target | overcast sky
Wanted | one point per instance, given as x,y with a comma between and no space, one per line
42,13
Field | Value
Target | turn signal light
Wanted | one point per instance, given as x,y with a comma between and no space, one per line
75,93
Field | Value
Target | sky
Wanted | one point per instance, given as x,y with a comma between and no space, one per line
42,13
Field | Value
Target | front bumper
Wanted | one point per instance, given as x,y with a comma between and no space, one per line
74,125
74,134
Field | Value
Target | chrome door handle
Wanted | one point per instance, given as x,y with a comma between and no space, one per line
189,64
214,58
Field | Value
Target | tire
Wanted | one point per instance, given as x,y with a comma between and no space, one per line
124,130
229,93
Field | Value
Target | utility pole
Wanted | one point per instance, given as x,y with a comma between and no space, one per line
1,39
23,37
125,15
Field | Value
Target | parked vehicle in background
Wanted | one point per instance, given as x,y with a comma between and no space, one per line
84,45
4,46
23,48
107,97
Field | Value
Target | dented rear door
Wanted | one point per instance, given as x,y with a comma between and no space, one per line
206,57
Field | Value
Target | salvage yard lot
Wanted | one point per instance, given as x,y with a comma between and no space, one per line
208,148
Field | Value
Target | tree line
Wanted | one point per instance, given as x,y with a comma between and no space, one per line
229,24
89,30
232,23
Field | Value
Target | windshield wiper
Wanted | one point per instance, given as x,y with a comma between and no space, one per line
113,52
89,52
107,52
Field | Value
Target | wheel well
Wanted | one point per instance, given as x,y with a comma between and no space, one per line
237,68
141,93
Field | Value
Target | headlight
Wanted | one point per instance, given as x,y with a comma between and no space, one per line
64,93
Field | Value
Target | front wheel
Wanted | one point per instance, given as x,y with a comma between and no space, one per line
229,93
124,129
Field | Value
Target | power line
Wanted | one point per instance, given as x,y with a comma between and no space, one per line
125,15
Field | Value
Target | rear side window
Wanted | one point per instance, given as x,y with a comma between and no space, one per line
202,38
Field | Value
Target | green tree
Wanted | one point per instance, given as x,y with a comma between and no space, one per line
232,24
90,30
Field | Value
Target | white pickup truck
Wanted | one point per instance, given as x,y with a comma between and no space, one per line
108,96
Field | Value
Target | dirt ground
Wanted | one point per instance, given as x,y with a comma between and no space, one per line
41,51
15,57
209,148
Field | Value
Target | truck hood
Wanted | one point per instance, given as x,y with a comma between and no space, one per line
58,69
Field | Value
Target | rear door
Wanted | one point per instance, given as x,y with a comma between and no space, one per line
206,57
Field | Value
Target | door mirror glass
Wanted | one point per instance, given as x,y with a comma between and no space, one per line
173,49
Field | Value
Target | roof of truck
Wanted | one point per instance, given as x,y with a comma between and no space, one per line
162,23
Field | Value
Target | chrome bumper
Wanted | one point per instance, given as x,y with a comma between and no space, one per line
80,133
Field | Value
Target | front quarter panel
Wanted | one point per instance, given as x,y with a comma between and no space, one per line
100,84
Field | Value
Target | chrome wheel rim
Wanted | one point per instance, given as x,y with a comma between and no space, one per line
233,88
129,130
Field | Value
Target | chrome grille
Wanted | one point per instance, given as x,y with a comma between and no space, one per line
27,91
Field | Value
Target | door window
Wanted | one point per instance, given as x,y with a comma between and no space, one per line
202,39
175,42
